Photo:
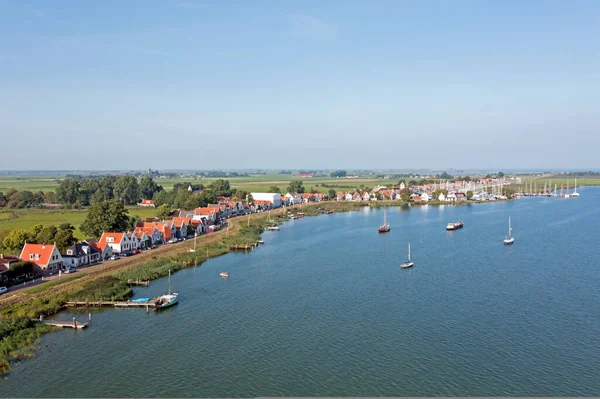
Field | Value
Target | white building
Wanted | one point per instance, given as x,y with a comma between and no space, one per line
273,198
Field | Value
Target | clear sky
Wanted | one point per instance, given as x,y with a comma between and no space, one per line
200,84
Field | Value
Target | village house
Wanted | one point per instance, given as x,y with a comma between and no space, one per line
366,196
181,227
461,196
148,232
45,257
81,254
210,214
5,262
293,198
442,197
104,250
356,196
143,240
425,197
348,196
451,197
147,203
118,242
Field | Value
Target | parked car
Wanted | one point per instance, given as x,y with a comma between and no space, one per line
70,270
172,240
114,257
3,290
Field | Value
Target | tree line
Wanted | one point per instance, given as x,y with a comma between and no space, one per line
62,236
15,199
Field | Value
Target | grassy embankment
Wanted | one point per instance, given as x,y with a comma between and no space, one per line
581,181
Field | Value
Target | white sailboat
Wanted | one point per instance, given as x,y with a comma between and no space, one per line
409,262
575,193
567,195
509,238
165,301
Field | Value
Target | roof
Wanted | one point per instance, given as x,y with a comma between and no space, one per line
117,237
178,222
79,250
205,211
147,202
41,253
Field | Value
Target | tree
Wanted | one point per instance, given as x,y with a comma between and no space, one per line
64,239
446,176
67,192
508,192
163,211
296,186
105,216
148,187
127,190
49,197
436,193
191,230
467,178
3,200
469,194
274,189
46,236
133,222
500,174
164,197
338,173
405,194
332,193
220,188
19,269
412,183
15,239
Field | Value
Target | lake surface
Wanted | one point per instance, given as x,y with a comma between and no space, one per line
323,309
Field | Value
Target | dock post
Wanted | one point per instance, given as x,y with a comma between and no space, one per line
89,318
147,309
74,323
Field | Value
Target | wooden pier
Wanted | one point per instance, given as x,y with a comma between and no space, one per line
138,282
246,247
115,304
74,324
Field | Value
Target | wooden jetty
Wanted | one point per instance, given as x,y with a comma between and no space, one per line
74,324
138,282
115,304
245,247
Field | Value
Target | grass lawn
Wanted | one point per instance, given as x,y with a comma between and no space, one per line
584,181
27,218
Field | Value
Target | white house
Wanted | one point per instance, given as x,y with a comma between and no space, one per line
425,197
46,258
81,254
292,198
442,197
451,197
147,203
273,198
118,242
348,197
366,196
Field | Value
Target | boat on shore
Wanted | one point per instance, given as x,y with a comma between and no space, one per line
166,301
300,215
408,263
509,239
385,227
454,226
273,228
224,274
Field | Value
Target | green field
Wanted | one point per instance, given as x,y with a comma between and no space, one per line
584,181
27,218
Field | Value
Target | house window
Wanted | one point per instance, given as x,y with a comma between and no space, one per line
110,239
70,252
30,256
37,256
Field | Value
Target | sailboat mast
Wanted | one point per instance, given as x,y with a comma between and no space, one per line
409,251
169,281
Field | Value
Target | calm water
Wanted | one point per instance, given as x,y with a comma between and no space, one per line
323,309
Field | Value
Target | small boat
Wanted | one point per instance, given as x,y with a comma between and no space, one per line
274,228
509,239
261,242
575,193
300,215
408,263
165,301
384,228
454,226
224,274
143,300
328,212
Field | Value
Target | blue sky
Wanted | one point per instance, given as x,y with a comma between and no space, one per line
201,84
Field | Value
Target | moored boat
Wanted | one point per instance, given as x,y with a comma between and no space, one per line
224,274
454,226
384,228
509,239
408,263
274,228
300,215
165,301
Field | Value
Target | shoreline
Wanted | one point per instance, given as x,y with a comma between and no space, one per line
110,282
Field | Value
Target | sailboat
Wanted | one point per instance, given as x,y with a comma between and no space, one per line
509,238
195,235
165,301
575,193
408,263
567,195
269,217
384,228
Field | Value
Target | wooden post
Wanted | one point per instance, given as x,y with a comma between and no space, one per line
74,323
89,318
